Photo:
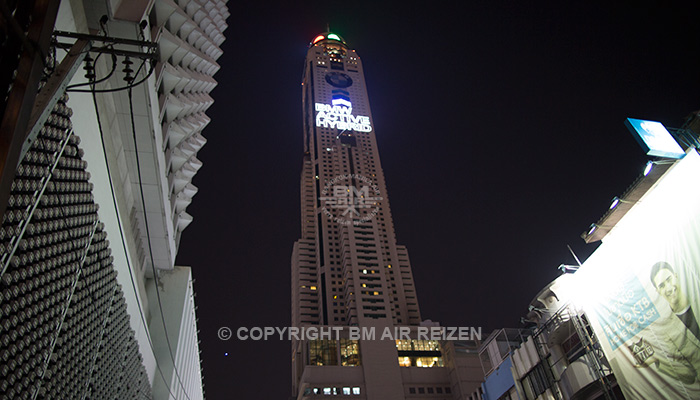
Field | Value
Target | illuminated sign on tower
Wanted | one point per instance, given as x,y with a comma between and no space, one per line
339,115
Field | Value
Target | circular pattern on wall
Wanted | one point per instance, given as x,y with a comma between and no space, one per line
338,79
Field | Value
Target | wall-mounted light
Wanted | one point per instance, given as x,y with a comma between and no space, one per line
592,229
648,167
537,309
568,268
615,202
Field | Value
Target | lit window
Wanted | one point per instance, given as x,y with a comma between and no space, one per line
346,390
349,353
313,287
327,391
323,352
356,390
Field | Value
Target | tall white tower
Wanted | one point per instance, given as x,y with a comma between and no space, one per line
348,272
347,268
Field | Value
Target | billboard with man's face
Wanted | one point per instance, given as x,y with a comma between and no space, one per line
641,290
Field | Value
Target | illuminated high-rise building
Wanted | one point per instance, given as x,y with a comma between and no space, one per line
360,275
347,268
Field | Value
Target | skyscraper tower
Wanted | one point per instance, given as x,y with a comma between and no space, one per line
349,268
348,272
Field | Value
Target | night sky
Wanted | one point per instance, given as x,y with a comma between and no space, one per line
500,130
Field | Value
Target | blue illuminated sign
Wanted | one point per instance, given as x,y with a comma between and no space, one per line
654,138
341,98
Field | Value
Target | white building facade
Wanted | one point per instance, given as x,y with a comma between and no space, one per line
116,159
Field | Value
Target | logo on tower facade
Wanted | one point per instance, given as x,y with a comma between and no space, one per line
338,115
350,199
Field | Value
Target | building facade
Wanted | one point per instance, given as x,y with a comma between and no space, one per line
92,303
624,323
562,358
496,355
347,269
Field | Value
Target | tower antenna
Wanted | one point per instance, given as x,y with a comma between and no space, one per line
328,27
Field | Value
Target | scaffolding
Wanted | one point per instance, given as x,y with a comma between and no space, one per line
592,351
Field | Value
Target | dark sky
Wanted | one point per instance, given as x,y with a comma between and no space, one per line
500,130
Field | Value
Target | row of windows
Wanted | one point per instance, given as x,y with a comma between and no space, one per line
423,362
535,382
327,352
417,345
333,391
429,390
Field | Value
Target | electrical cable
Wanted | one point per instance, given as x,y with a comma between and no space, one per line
148,239
127,87
114,68
121,233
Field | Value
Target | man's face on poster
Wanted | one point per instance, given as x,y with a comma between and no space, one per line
666,283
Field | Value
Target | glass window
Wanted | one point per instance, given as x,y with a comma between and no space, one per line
323,352
535,382
349,352
429,362
419,353
356,390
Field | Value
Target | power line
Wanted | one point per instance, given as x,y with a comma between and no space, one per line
148,240
121,233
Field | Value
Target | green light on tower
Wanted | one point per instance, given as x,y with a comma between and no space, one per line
334,37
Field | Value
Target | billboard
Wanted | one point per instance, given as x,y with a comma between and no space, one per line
654,138
641,290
